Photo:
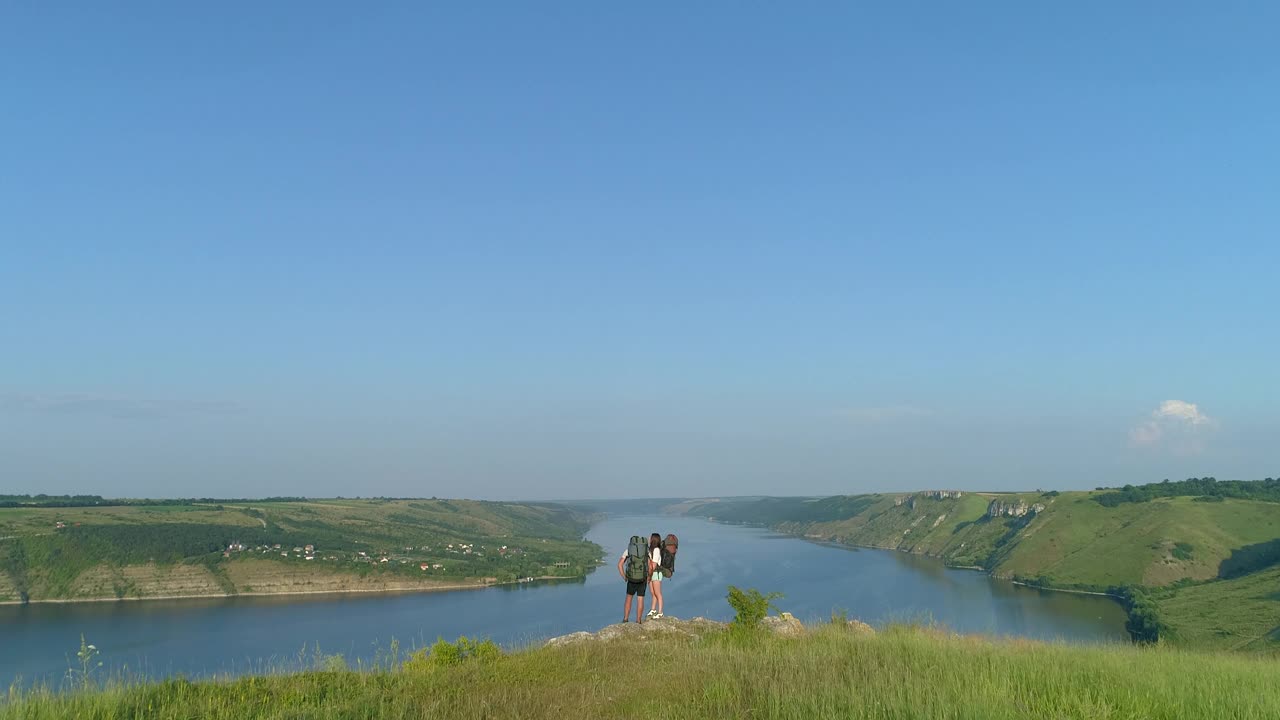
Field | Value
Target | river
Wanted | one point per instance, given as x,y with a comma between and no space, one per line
202,637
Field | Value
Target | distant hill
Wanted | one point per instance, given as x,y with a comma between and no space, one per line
1182,551
91,550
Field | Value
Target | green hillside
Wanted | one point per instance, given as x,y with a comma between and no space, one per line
192,548
1158,539
1236,614
827,672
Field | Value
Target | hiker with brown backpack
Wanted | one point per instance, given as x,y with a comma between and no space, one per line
662,555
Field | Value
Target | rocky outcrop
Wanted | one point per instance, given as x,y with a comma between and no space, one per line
860,627
654,629
784,625
901,500
1011,509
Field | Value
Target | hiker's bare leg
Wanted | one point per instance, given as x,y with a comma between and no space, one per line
656,587
626,608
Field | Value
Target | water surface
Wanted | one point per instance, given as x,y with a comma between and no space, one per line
238,635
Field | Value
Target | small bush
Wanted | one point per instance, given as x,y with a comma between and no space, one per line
446,654
1183,550
750,606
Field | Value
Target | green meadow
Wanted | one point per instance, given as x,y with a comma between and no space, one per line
829,672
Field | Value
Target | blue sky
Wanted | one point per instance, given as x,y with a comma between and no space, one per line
583,251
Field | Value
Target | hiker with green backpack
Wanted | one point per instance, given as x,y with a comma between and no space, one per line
635,566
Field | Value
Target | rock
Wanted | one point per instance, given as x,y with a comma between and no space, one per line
664,628
860,627
569,639
784,624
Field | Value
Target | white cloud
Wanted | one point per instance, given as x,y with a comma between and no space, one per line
1176,425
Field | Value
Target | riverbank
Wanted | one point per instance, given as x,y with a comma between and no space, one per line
283,593
477,585
824,671
1118,598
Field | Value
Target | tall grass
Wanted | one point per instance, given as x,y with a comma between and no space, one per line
903,672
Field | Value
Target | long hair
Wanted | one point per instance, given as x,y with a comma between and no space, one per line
655,541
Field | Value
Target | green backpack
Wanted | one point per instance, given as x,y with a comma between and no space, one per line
637,567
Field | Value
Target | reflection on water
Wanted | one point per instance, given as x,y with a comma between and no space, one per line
247,634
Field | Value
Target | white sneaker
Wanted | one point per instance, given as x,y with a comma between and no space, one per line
655,617
652,613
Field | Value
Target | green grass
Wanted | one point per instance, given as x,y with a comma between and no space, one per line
828,673
1081,542
1238,614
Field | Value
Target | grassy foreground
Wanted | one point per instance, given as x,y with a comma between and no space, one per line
829,672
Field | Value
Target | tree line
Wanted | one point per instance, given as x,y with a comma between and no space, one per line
1210,488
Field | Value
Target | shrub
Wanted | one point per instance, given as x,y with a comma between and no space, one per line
1183,550
1144,624
749,606
446,654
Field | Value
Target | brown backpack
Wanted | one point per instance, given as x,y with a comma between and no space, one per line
670,544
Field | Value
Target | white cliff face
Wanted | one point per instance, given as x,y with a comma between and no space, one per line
1012,509
901,500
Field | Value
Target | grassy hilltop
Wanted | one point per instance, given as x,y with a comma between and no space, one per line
828,672
94,549
1205,554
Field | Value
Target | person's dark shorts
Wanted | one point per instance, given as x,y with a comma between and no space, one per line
636,588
